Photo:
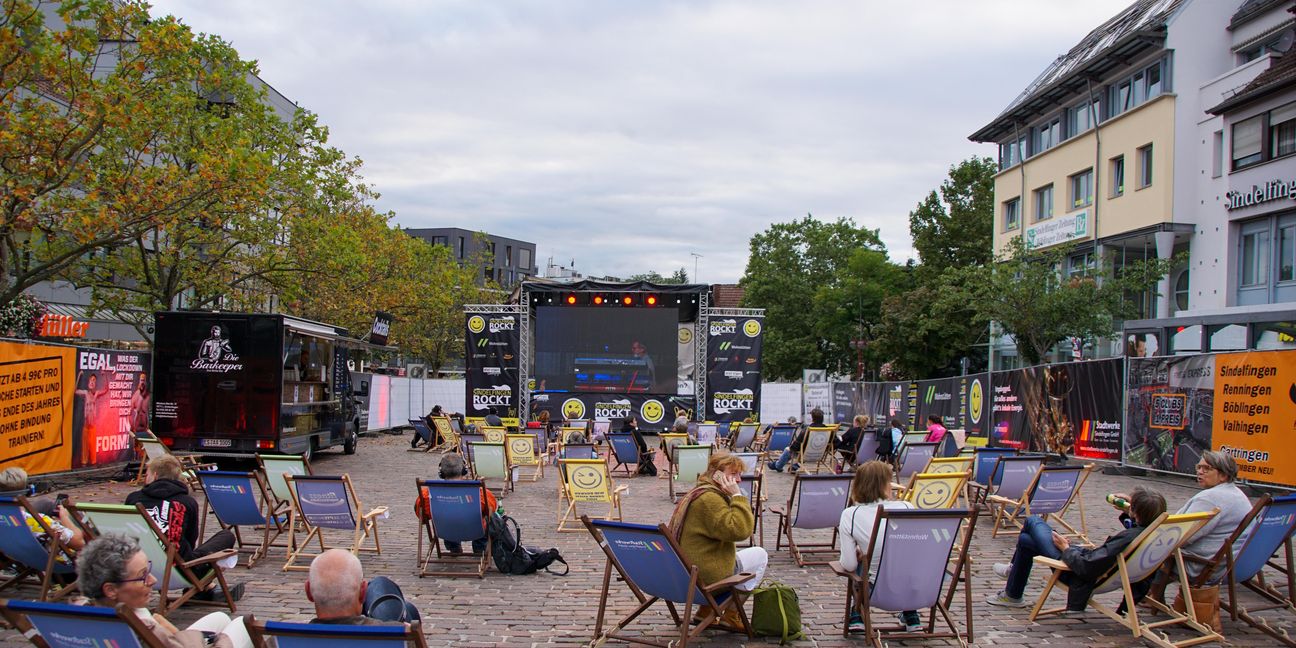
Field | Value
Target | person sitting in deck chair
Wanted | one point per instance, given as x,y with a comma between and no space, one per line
816,420
54,515
453,467
870,492
341,596
1086,565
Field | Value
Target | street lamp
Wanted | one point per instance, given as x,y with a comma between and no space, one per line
696,256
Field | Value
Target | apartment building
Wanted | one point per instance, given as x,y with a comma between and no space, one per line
506,261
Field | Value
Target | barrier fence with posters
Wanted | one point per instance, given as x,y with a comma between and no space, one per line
63,408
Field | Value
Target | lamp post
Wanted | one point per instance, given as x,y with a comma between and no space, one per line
859,344
696,256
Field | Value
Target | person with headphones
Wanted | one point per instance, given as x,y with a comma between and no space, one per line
453,467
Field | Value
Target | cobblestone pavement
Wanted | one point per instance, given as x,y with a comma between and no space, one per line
546,609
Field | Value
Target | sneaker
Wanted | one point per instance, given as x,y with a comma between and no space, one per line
911,622
1003,600
774,466
795,468
1002,570
856,624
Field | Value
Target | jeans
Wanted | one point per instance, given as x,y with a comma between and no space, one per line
783,459
1036,539
478,545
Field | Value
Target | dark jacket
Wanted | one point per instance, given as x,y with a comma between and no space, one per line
1088,565
850,441
174,510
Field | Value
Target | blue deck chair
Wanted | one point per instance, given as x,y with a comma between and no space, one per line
232,496
578,451
651,564
984,461
455,515
30,558
328,502
816,502
744,437
913,551
1011,478
913,459
1049,496
465,445
58,625
422,431
625,453
322,635
780,437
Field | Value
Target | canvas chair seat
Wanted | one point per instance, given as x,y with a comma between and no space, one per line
232,496
650,563
170,570
523,457
669,441
325,502
744,439
455,515
328,635
816,451
1159,542
493,434
423,431
815,503
273,468
586,481
689,462
916,551
447,433
149,447
935,490
488,462
59,624
779,438
47,564
1050,494
984,461
866,449
912,458
625,452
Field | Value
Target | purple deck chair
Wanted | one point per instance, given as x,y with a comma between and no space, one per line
29,557
1268,528
915,551
465,445
233,497
718,433
327,502
1049,496
625,453
984,461
579,451
59,625
653,567
316,635
913,458
867,448
455,515
745,437
780,437
816,502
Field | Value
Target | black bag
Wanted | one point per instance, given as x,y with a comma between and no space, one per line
884,448
511,557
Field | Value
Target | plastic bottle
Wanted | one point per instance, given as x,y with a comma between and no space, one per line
1119,502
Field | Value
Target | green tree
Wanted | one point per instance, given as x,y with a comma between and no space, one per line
956,229
652,276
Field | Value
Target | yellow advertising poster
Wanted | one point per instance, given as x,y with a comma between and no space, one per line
1255,414
36,384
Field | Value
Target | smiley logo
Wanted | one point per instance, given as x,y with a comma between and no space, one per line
652,411
476,324
1158,547
976,400
587,477
752,328
931,495
685,335
573,408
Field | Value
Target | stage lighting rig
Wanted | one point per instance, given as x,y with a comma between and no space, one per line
652,300
571,300
598,300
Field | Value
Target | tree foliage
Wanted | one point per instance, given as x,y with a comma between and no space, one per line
652,276
956,229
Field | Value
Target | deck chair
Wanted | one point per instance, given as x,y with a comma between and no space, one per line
935,490
625,453
445,431
58,625
599,431
320,635
30,559
648,560
1159,542
171,572
587,481
494,434
914,550
1049,496
151,448
465,446
913,458
866,449
706,434
1012,478
744,438
523,454
1265,530
816,450
455,509
273,468
232,496
579,451
475,421
752,486
816,502
753,463
669,441
328,502
489,461
424,432
984,461
780,437
689,463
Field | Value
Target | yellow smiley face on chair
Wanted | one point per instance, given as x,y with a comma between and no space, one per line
587,478
933,495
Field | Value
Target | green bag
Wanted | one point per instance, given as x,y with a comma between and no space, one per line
775,612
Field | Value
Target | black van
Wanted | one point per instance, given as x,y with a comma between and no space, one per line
240,383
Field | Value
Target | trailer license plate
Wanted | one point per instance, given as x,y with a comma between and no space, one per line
217,443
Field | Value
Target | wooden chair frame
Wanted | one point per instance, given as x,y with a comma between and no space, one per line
364,525
1010,514
606,491
801,552
442,427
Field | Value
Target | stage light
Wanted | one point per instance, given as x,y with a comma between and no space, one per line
652,300
627,300
598,300
571,299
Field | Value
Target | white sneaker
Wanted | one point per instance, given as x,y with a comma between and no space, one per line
1002,570
1003,600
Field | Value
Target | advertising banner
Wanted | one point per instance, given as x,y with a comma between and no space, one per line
1169,414
974,412
36,384
939,397
112,400
654,412
733,368
847,401
491,364
1068,408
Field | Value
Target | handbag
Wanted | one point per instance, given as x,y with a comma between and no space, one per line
776,612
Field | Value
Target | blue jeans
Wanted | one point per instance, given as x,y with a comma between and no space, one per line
478,545
783,458
1036,539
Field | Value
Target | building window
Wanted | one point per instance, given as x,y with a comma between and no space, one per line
508,256
1254,257
1080,118
1137,88
1260,49
1282,131
1117,176
1044,203
1012,214
1047,135
1145,166
1181,291
1011,153
1247,142
1082,189
461,247
1079,265
1217,155
438,240
1287,253
524,258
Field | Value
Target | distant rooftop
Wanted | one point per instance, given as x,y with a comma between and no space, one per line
1281,75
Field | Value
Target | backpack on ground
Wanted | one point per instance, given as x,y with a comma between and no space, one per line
511,556
776,612
885,447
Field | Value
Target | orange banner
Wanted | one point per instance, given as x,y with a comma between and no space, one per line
36,384
1255,414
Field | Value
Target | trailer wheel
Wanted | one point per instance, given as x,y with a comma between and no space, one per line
309,452
349,445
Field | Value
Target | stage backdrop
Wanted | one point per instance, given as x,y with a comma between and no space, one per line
63,408
733,368
654,412
1072,408
491,364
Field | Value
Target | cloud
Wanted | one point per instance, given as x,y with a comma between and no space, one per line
628,135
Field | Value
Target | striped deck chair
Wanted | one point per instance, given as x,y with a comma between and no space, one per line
817,449
935,490
327,635
58,625
329,502
625,453
587,481
743,439
46,564
171,572
780,437
232,496
650,563
916,551
489,463
455,514
689,463
815,503
1050,495
1012,478
1159,542
446,434
423,432
913,458
523,455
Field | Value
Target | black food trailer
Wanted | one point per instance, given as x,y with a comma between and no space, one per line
239,384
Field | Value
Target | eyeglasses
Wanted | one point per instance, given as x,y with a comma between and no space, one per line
1201,468
141,579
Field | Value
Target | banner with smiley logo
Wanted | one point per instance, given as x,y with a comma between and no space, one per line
733,368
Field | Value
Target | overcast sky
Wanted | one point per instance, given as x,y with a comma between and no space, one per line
627,134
